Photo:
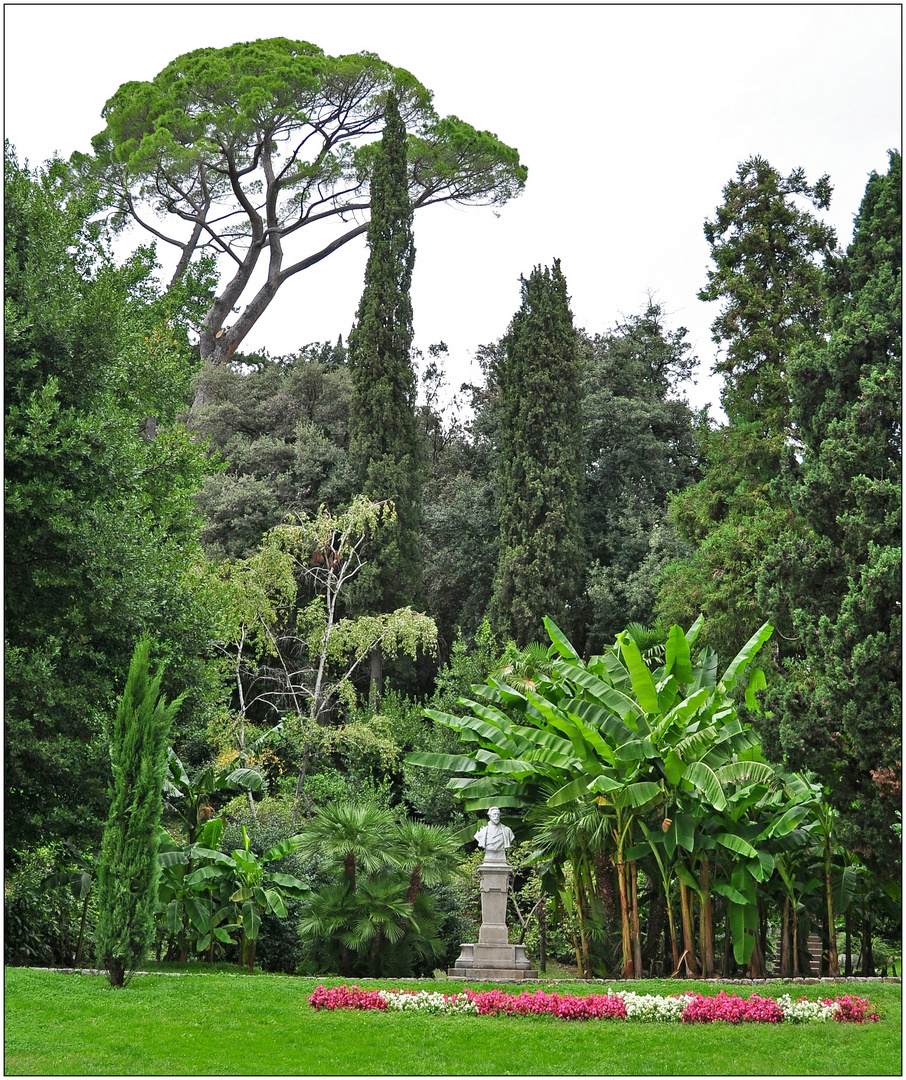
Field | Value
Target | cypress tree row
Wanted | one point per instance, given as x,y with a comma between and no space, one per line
128,871
384,447
541,461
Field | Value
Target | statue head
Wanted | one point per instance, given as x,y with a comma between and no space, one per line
494,815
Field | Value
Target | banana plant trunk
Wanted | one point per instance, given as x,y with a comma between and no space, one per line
833,963
706,921
636,934
687,918
786,967
626,936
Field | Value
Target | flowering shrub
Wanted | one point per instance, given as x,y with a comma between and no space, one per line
688,1008
341,998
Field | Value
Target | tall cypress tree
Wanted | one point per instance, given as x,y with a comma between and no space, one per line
384,446
540,438
834,577
128,871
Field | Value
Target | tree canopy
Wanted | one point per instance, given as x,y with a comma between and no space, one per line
236,150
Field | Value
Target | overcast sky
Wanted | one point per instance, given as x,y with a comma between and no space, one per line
630,118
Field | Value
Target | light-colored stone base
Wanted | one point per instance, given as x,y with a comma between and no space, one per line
492,961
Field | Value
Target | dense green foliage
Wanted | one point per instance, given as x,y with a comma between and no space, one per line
280,427
641,446
274,546
99,525
836,576
128,870
384,444
768,278
542,556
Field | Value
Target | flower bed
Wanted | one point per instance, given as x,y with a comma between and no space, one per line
687,1008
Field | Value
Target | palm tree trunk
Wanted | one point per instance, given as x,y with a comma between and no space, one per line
582,908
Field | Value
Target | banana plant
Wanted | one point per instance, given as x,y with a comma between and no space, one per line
190,900
610,729
257,890
187,796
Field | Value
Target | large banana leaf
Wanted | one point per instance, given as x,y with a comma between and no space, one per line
702,777
575,789
561,642
639,794
693,631
704,674
741,660
203,873
287,881
757,681
247,779
743,926
452,762
723,889
488,801
678,660
845,884
491,713
746,772
736,844
590,683
602,717
281,849
642,680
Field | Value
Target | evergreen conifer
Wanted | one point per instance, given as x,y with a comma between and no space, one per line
541,459
834,578
128,870
384,447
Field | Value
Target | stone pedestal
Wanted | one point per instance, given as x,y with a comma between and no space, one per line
492,957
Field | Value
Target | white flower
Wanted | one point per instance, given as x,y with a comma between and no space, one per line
800,1012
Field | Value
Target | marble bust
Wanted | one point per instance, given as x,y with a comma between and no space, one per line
494,838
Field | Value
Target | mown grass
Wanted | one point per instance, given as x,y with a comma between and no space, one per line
229,1024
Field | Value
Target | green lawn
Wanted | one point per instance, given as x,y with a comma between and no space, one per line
230,1024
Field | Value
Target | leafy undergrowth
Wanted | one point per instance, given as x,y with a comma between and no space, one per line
230,1024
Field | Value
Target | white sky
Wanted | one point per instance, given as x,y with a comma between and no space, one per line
630,118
